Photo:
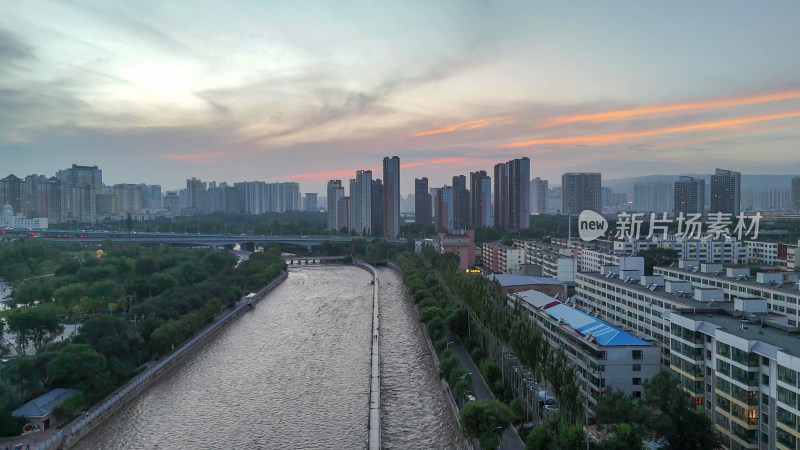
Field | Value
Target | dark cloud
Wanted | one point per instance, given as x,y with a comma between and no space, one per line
12,51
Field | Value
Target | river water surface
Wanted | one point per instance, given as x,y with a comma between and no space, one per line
293,374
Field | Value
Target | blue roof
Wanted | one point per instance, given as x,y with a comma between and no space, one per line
44,405
604,333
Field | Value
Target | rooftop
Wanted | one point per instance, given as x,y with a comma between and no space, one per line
789,287
536,299
511,279
604,333
790,343
688,302
44,405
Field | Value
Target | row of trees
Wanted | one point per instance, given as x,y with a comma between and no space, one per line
133,304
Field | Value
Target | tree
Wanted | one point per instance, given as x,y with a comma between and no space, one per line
480,420
677,421
617,407
624,437
80,367
68,409
658,257
39,325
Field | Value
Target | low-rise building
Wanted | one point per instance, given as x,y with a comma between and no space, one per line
706,249
461,243
511,283
762,252
605,356
39,411
555,265
499,258
593,260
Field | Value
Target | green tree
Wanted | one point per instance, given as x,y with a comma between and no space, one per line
68,409
482,418
80,367
658,257
677,421
624,437
39,325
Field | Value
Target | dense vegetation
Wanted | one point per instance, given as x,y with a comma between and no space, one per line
133,303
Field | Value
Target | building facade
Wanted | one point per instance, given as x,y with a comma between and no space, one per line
480,203
391,196
422,203
581,191
726,192
689,196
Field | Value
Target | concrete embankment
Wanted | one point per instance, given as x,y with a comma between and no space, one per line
374,435
71,434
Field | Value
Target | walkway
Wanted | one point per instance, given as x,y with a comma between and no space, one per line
511,440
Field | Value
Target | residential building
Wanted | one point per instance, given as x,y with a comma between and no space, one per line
554,265
377,207
445,209
796,193
767,199
9,219
512,194
11,190
581,191
310,201
653,197
172,203
499,258
538,196
511,283
361,203
343,214
689,196
128,198
726,192
480,203
151,197
422,203
335,194
762,252
778,288
725,250
461,202
604,355
391,196
594,260
461,243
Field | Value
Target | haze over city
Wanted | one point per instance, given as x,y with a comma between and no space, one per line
157,93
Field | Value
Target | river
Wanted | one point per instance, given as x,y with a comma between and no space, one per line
294,373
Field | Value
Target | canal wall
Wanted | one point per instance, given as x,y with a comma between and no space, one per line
445,387
374,435
72,433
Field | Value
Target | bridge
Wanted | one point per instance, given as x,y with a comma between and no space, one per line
248,241
292,260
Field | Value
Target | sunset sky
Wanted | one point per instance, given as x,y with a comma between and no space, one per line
157,92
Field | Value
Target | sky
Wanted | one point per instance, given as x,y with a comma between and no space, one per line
157,92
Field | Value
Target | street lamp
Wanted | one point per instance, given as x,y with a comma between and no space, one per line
448,344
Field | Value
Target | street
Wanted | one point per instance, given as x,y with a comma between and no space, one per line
511,440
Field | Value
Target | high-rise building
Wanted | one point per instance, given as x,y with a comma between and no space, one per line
726,192
335,193
422,203
460,202
361,203
480,202
538,196
796,193
172,203
391,196
512,194
81,185
580,191
653,197
128,198
310,201
445,209
196,193
151,197
377,207
53,200
343,214
11,190
690,194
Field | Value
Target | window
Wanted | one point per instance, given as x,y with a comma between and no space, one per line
637,394
636,354
637,367
637,381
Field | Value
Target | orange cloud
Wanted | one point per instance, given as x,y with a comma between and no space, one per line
608,116
616,137
193,156
470,125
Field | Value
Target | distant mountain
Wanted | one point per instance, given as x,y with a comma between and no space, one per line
748,181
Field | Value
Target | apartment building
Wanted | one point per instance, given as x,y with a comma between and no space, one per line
780,289
705,249
499,258
742,370
595,260
511,283
604,355
461,243
761,252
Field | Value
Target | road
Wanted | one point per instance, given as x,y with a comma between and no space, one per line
511,440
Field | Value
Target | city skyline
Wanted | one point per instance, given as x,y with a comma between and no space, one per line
138,90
